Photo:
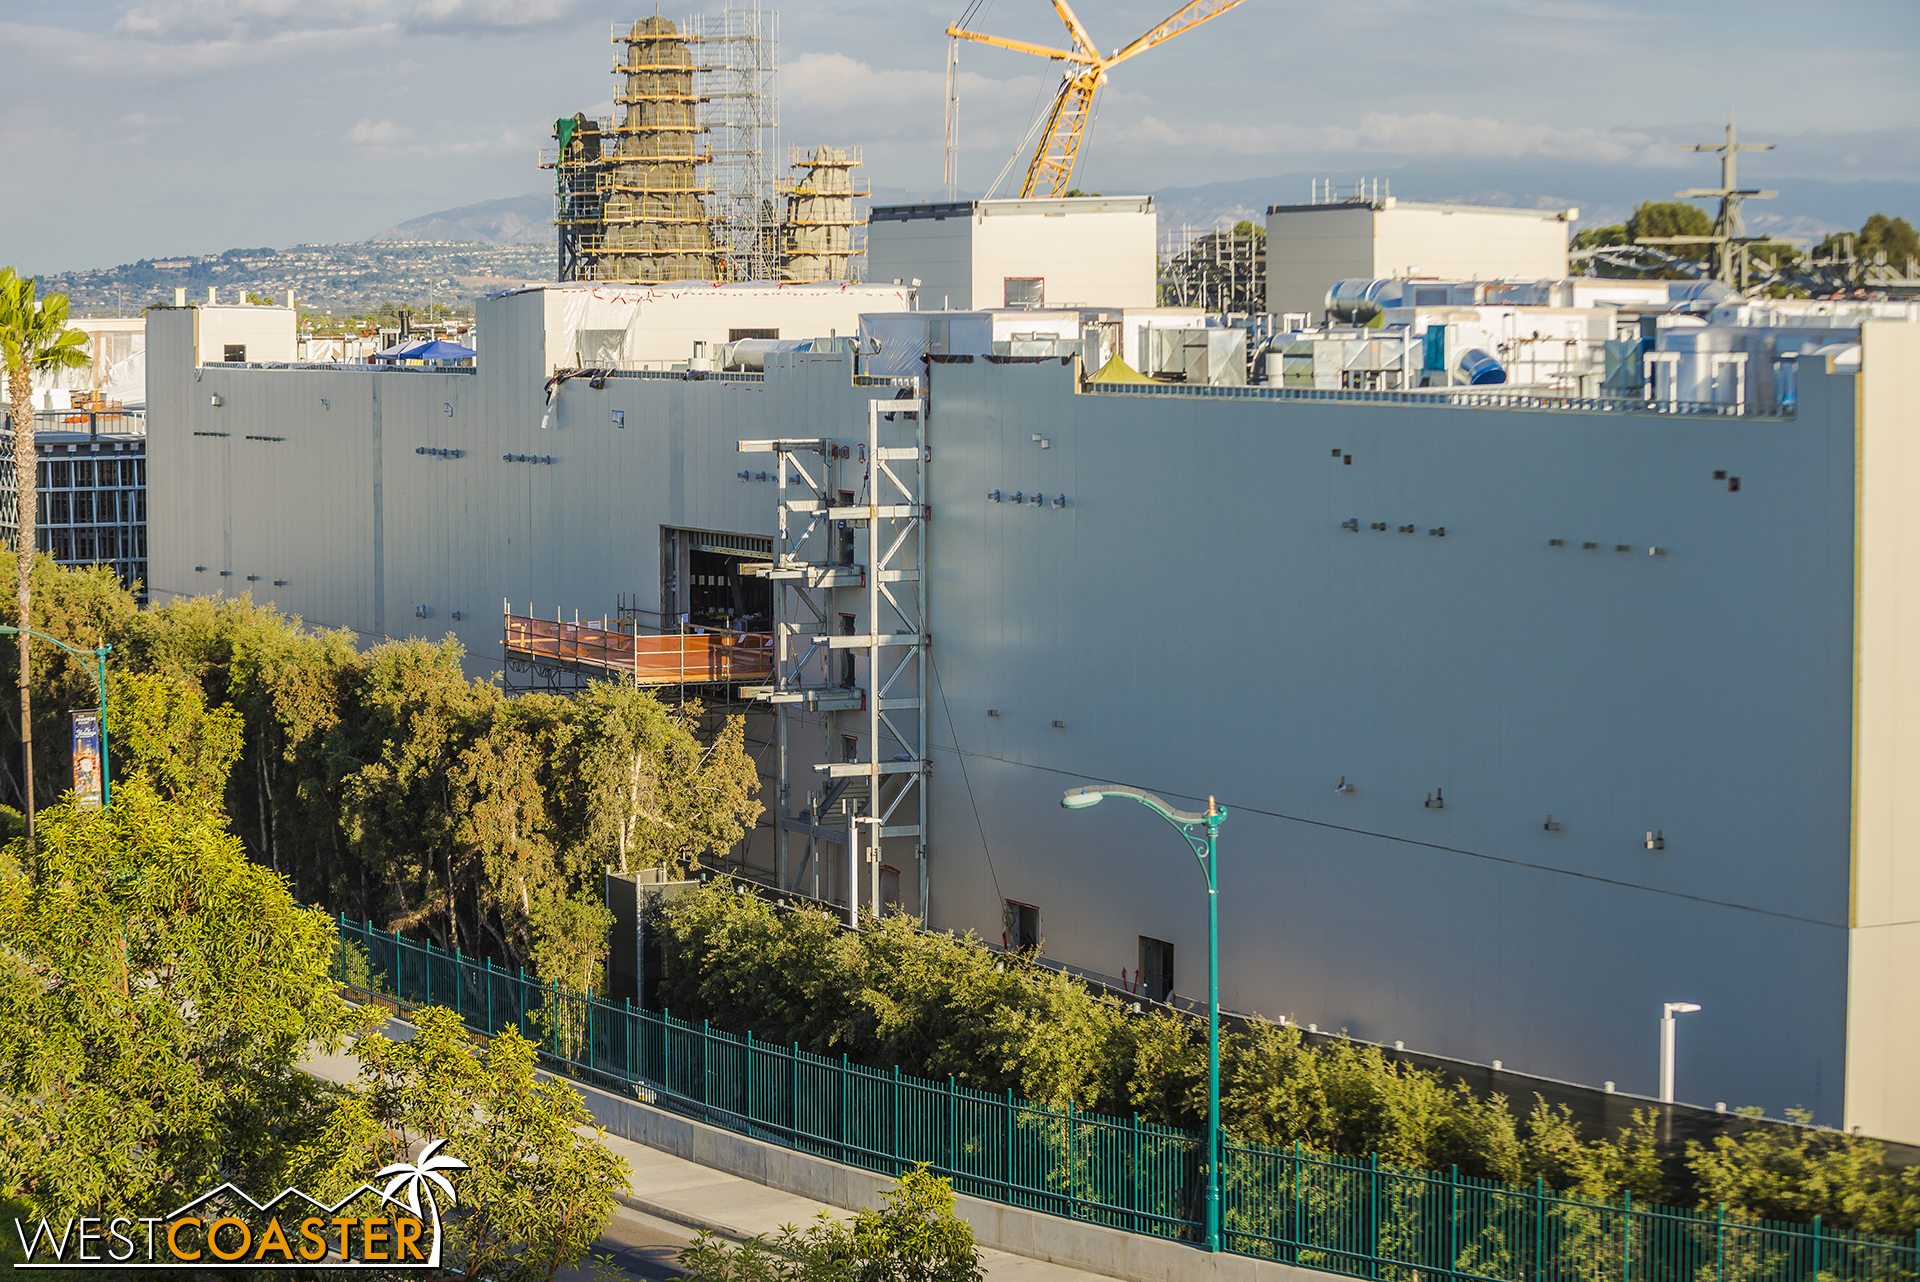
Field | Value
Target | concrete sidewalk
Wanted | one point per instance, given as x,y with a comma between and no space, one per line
668,1199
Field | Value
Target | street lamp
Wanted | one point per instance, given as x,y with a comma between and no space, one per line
1667,1013
1204,849
99,654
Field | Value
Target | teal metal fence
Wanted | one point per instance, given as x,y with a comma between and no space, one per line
1341,1215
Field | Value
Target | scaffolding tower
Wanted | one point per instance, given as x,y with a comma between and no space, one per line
837,623
1220,271
679,185
819,237
737,83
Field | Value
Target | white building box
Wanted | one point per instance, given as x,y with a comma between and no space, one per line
243,334
656,326
1086,251
1310,247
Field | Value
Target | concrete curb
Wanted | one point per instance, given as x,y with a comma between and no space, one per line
675,1215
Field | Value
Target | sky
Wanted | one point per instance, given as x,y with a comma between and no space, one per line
162,127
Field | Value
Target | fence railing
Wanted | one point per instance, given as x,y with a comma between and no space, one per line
1341,1215
617,650
1492,398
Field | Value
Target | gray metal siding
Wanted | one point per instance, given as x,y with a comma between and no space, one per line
1201,623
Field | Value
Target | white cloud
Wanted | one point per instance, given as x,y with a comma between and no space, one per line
141,120
847,96
507,140
458,16
370,133
220,20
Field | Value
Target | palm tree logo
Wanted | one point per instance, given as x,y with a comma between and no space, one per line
423,1175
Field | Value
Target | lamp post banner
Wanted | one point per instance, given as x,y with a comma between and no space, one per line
87,774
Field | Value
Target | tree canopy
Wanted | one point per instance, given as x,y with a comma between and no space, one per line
1893,237
384,782
157,989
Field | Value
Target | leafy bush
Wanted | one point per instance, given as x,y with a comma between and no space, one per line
1795,1175
915,1237
940,1005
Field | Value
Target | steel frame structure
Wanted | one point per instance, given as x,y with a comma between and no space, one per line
812,590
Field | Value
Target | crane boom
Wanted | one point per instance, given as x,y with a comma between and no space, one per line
1183,19
1050,173
1019,46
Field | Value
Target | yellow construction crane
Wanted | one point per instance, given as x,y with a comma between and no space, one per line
1051,171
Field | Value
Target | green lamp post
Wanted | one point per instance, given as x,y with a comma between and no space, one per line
99,655
1205,849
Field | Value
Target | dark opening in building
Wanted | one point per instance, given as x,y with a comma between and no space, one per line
236,353
1156,969
707,586
847,624
1023,927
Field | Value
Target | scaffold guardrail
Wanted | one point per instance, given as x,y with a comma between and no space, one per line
612,648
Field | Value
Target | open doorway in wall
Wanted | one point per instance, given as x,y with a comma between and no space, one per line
702,584
1022,922
1156,969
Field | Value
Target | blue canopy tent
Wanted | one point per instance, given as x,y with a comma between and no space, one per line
439,350
436,350
399,351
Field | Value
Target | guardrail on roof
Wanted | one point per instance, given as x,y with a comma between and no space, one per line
1461,397
350,367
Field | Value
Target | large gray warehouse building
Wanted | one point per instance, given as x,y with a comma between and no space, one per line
1667,724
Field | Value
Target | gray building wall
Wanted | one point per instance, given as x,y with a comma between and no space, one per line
1201,623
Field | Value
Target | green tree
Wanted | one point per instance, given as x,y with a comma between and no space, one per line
171,741
538,1189
34,338
157,991
1672,218
1894,237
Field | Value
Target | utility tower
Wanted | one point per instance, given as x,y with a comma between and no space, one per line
1729,238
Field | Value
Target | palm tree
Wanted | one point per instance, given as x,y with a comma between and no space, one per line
33,337
419,1175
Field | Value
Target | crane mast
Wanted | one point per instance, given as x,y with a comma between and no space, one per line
1050,172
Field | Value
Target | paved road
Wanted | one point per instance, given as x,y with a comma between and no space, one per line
641,1245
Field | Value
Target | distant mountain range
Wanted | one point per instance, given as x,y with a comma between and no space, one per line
1603,194
514,220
